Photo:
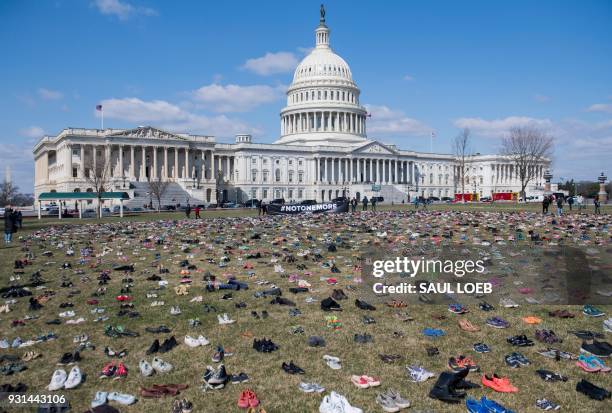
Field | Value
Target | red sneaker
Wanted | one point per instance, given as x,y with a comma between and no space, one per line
92,301
108,370
121,371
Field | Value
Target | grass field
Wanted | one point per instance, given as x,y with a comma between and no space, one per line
277,390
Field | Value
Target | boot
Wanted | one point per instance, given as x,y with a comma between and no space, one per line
442,391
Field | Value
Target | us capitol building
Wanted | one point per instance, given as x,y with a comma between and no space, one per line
323,152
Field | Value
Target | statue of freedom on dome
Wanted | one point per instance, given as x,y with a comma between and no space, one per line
322,11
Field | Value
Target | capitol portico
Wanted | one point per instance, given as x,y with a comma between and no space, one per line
323,152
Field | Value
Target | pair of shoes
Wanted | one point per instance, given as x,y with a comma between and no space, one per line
316,341
364,381
561,314
497,322
457,308
499,384
592,364
30,355
553,353
175,310
462,362
596,348
508,303
166,346
547,336
418,373
157,365
69,358
61,380
485,405
481,348
391,401
516,360
311,387
215,379
264,345
591,390
332,362
196,342
102,397
591,311
520,341
220,354
363,338
329,304
364,305
466,325
335,402
224,319
547,375
282,301
247,399
182,406
117,371
449,387
545,404
162,390
291,368
111,353
239,378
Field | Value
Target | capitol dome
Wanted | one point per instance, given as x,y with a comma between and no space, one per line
323,100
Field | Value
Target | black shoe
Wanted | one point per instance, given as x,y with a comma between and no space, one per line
154,347
368,320
35,305
255,315
339,295
591,390
442,390
55,321
282,301
264,314
363,338
329,304
595,348
547,375
364,306
291,368
296,290
158,330
316,341
240,305
168,345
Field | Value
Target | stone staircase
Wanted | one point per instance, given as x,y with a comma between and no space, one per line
173,195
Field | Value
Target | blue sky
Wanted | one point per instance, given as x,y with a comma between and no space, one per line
221,67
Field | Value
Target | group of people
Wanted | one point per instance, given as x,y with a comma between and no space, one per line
13,220
559,201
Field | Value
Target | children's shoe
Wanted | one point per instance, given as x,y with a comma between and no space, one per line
545,404
591,311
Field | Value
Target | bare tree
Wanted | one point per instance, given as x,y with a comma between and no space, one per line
528,147
462,150
8,193
98,178
157,188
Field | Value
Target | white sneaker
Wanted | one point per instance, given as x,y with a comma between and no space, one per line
76,321
74,378
203,341
67,314
332,362
607,325
57,380
122,398
346,406
145,368
175,310
197,299
192,342
161,366
224,319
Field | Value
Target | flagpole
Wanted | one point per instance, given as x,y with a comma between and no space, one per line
102,118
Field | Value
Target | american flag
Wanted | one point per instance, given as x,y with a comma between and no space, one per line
99,107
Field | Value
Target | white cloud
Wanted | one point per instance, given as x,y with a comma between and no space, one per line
48,94
600,107
385,120
496,128
122,10
408,77
235,98
541,98
172,117
271,63
32,132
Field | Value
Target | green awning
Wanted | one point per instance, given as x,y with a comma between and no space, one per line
54,196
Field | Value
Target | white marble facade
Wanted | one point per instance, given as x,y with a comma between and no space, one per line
323,153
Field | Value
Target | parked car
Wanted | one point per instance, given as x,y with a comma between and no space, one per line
447,199
89,213
117,209
52,211
229,205
168,208
308,202
433,199
278,201
211,206
252,203
486,199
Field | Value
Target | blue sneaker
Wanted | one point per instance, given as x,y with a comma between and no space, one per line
481,348
591,311
493,406
474,406
17,342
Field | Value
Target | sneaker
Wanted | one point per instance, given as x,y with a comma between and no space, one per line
332,362
544,404
192,342
100,398
499,384
596,348
219,376
145,368
122,398
160,365
364,305
418,374
224,319
497,322
591,311
57,380
74,378
397,398
481,348
508,303
387,403
491,406
591,390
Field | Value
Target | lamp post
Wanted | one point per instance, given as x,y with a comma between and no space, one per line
547,178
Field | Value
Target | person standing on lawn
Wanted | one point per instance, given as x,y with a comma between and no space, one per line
570,202
10,225
354,204
188,211
373,203
597,206
197,212
560,205
365,203
545,204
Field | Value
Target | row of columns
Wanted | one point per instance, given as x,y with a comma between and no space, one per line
374,170
507,172
185,164
323,122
